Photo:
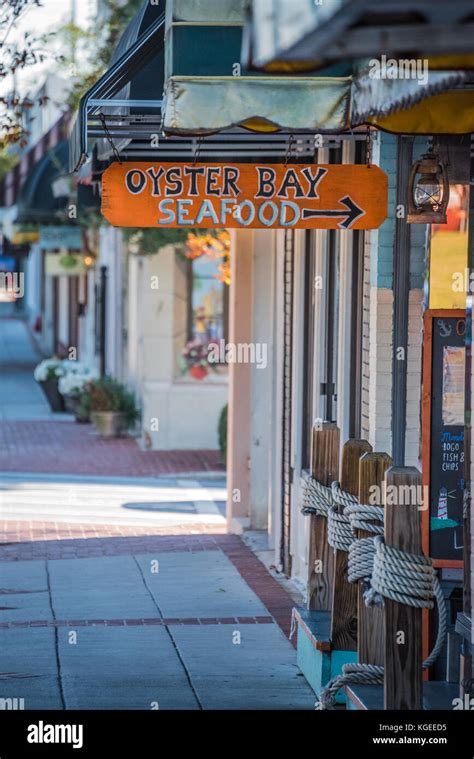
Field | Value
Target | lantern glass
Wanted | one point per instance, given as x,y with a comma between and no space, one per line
428,192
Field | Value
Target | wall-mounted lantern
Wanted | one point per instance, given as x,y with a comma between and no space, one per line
428,191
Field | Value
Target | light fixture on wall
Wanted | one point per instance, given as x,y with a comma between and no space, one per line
428,191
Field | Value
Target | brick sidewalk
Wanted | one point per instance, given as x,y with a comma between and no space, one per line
71,448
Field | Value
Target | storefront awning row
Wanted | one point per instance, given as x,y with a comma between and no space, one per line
177,74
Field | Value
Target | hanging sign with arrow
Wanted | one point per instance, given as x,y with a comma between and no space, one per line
266,196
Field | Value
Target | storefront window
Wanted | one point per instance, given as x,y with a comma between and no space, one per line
207,319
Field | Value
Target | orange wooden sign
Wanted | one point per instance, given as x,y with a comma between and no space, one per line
267,196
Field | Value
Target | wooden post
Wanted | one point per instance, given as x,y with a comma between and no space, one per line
344,601
325,469
403,633
370,631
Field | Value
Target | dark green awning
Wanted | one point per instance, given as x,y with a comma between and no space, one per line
44,199
132,85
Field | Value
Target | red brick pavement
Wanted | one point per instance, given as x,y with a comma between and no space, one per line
71,448
12,531
61,545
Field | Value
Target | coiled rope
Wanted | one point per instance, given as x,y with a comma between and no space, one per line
342,497
342,528
405,578
362,551
340,535
316,498
369,518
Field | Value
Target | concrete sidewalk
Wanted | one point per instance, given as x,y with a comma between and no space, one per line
21,397
169,624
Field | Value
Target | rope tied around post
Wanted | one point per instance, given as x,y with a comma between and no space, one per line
361,560
362,551
402,577
342,528
342,497
316,498
363,517
340,535
405,578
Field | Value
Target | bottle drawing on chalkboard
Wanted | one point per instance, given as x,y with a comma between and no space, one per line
443,504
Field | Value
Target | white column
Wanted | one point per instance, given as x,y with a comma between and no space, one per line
239,413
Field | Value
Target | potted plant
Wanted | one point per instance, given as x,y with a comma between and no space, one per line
112,407
71,386
195,356
47,374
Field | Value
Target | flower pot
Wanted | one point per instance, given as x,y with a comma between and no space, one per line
53,396
109,424
71,403
198,372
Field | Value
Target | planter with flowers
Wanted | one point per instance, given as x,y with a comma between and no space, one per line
195,359
112,407
47,375
71,386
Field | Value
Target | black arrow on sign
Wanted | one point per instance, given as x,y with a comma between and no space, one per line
351,215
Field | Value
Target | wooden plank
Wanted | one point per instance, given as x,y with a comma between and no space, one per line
403,624
316,626
325,469
370,631
344,601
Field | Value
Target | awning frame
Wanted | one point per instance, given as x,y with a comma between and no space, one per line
101,94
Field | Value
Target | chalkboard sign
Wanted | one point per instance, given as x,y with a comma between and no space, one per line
443,434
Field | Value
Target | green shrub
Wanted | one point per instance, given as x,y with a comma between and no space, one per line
222,433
